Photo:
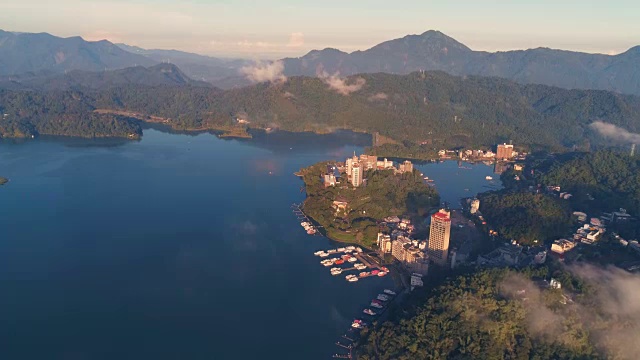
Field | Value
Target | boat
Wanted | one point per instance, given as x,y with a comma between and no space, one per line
375,272
332,251
339,262
341,249
358,249
326,262
324,255
334,259
382,297
304,224
356,326
311,231
350,248
317,253
336,271
353,279
376,305
369,312
382,273
360,266
352,259
385,269
346,257
390,292
426,178
488,177
364,274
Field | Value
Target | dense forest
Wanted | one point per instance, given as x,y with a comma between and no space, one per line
502,314
420,108
601,181
526,217
384,194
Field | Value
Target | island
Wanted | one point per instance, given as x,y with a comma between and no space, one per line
3,180
350,208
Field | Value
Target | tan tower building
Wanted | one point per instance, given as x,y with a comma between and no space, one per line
356,175
504,152
439,235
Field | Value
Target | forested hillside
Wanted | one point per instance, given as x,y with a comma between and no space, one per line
501,314
435,109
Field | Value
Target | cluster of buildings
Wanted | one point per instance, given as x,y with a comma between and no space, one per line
586,233
590,232
355,168
504,152
415,254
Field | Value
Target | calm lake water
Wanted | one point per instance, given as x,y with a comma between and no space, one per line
174,247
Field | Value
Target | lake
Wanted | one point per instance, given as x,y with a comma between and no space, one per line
175,247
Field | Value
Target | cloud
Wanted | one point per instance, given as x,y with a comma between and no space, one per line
615,133
296,40
265,71
340,85
611,318
378,97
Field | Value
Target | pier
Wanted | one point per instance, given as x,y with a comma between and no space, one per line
297,210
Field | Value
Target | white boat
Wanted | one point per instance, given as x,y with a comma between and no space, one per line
341,249
488,177
324,255
350,248
359,249
376,305
304,224
382,297
352,279
369,312
336,271
326,262
317,253
390,292
356,325
352,259
332,251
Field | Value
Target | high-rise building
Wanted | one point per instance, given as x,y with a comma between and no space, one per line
504,151
368,162
356,175
406,166
384,243
439,235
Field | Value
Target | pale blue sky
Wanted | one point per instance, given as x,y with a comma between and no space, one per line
272,29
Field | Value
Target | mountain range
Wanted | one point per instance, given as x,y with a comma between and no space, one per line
432,50
156,75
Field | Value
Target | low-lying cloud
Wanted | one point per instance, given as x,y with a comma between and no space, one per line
611,319
265,72
378,97
615,132
341,85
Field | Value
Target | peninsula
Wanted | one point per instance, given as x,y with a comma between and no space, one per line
350,207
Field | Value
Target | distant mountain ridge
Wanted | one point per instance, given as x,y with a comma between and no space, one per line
40,54
156,75
199,67
434,50
36,53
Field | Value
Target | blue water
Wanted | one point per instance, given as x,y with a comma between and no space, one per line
457,180
173,247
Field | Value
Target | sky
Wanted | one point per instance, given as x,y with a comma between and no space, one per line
275,29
